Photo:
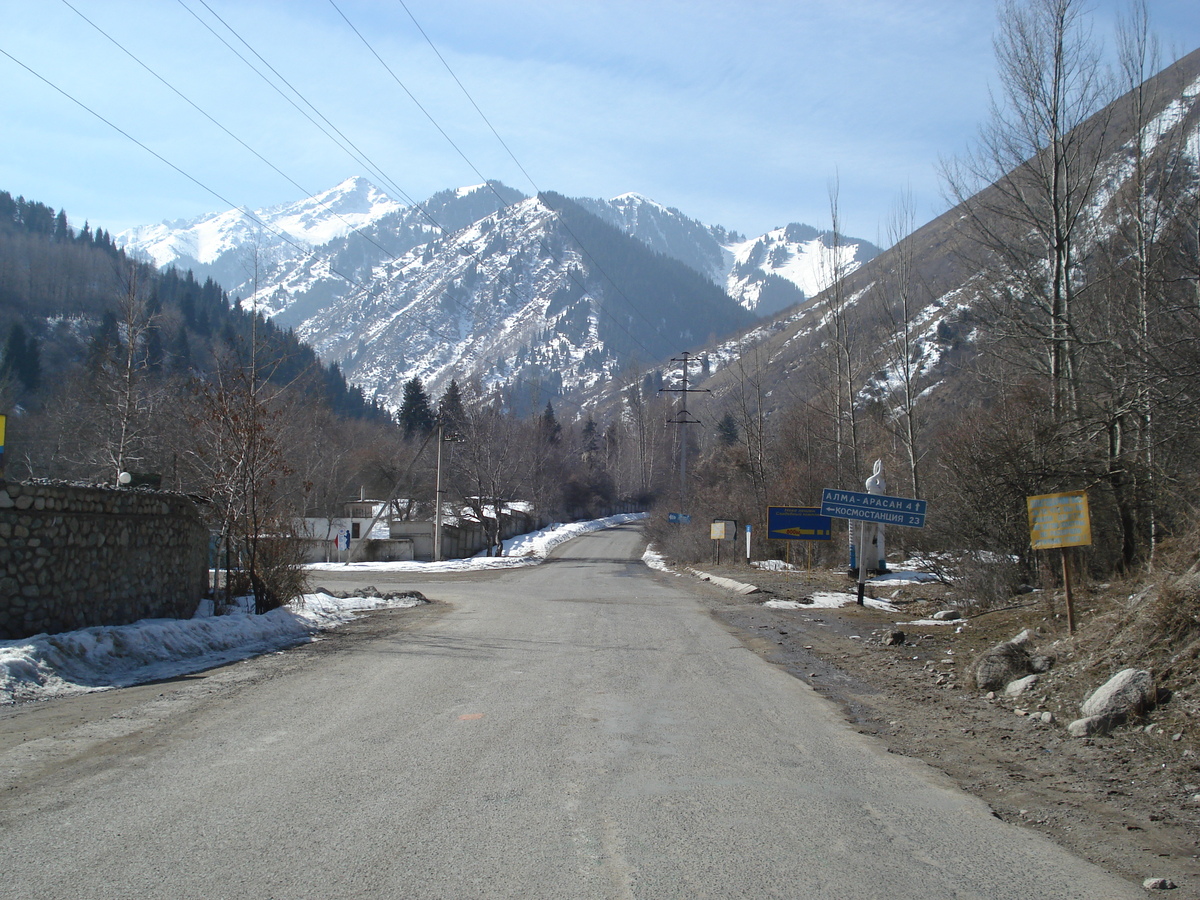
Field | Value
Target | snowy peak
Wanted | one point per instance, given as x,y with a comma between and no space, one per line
513,301
333,213
788,265
764,274
310,222
667,231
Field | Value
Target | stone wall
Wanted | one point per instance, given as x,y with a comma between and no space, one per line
73,557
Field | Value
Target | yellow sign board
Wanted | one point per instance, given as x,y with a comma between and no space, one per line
1059,520
717,531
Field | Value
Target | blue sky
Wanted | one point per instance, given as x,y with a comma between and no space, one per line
739,113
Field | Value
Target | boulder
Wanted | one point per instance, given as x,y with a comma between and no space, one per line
946,615
1004,663
1159,884
1021,685
1041,662
1089,726
1024,639
1129,692
893,638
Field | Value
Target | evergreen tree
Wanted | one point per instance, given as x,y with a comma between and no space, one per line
727,430
591,442
450,408
22,358
550,428
181,352
416,413
105,341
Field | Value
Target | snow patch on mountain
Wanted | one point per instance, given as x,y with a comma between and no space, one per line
299,226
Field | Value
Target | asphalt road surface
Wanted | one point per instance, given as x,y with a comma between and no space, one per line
579,729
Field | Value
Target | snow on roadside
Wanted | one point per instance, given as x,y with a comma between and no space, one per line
522,550
959,623
92,659
656,560
830,600
104,657
774,565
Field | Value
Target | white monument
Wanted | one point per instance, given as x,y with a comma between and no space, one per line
871,533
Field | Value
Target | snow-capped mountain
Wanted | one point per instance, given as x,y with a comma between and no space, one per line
221,245
514,301
668,231
788,265
764,274
958,276
340,266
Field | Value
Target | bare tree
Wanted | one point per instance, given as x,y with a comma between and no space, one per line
841,347
751,417
1041,154
902,347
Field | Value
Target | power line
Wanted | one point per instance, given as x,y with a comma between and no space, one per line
562,221
374,167
412,97
245,212
344,144
467,94
202,112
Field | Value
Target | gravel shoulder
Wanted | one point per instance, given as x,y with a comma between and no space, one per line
1126,801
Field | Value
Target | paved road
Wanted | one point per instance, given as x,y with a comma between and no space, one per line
582,729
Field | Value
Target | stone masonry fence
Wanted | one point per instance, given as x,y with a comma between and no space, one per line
73,557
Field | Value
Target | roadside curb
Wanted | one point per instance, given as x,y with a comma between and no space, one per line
737,587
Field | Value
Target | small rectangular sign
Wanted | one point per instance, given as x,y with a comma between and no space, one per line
1059,520
679,518
873,508
798,523
727,529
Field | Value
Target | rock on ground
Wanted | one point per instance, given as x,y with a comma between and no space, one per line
1001,664
1129,692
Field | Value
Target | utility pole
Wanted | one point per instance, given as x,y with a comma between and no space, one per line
683,417
443,437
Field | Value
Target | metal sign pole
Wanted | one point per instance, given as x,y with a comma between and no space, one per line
862,560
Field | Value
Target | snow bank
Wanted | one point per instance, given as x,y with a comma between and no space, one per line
91,659
523,550
830,600
656,560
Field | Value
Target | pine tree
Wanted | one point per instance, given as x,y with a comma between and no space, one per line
450,408
550,428
727,430
591,442
416,413
22,358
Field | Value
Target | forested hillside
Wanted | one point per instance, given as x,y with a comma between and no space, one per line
68,299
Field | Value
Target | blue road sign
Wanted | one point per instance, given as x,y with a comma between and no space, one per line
798,523
679,518
873,508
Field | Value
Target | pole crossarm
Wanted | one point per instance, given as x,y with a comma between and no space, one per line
683,417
